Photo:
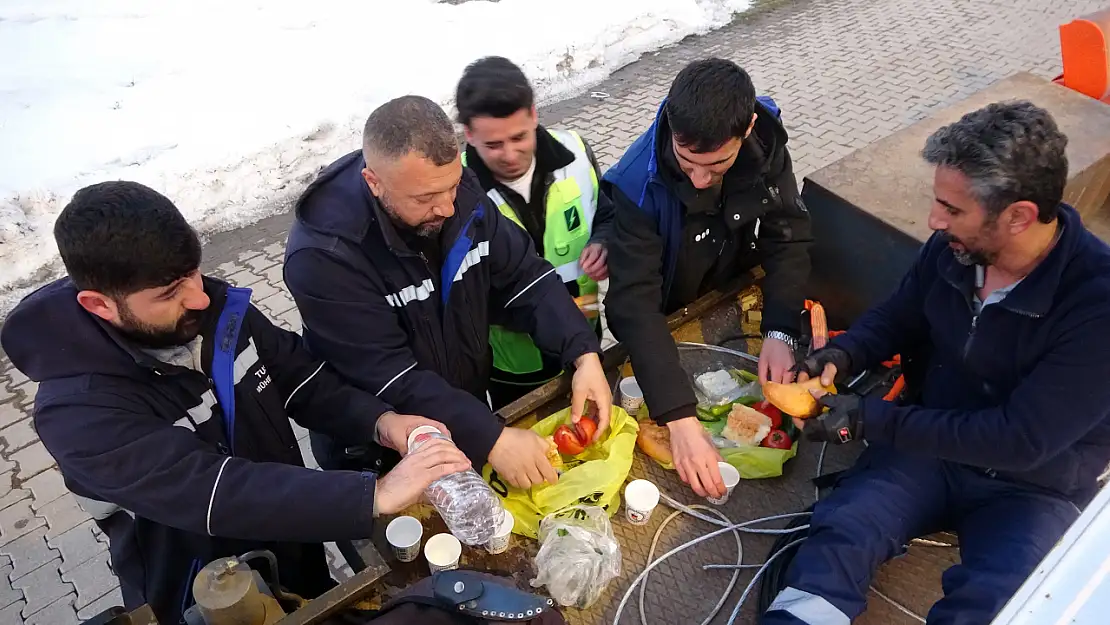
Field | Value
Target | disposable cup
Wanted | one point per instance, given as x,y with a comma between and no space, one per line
640,498
632,398
403,535
442,552
500,540
731,478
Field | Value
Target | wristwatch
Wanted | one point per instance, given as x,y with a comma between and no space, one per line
782,336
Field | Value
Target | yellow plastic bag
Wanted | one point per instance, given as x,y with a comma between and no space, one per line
592,478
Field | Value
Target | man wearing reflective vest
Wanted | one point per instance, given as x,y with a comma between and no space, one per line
545,181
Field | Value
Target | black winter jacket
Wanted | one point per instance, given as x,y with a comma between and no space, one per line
671,245
373,308
177,468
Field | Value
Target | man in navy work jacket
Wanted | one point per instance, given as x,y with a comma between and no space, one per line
704,195
399,264
165,397
1001,322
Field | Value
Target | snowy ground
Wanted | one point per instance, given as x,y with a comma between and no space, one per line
230,107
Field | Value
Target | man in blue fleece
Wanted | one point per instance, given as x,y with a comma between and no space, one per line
1004,430
165,397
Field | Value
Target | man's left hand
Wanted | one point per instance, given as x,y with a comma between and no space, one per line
775,361
394,429
592,262
589,386
843,423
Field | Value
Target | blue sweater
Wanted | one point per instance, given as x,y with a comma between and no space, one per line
1024,392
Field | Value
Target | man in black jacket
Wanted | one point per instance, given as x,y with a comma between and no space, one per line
546,181
399,265
165,397
702,196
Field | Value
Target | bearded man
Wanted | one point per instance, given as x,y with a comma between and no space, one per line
1005,425
400,264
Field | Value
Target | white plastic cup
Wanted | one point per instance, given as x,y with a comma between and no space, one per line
632,397
442,552
731,478
640,498
499,543
404,534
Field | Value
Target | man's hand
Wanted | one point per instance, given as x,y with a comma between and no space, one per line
520,456
589,386
696,458
402,487
394,429
592,261
828,362
775,360
843,423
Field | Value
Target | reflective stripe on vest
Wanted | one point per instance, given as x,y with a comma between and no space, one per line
570,206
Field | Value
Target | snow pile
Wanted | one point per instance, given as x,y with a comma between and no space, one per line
230,107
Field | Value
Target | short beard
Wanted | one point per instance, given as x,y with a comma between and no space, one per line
428,229
182,333
970,257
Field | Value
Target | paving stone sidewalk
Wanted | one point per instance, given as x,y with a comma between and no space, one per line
845,73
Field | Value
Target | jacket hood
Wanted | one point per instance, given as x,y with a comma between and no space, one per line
49,336
338,203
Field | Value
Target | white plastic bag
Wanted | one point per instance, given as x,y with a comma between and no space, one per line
578,555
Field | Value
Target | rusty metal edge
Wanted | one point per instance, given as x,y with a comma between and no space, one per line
342,596
612,358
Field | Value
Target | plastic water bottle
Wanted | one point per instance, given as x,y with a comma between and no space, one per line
467,504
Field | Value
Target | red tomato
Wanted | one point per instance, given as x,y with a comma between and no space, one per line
769,409
585,429
567,441
777,439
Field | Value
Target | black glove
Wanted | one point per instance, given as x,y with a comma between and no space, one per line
843,422
815,363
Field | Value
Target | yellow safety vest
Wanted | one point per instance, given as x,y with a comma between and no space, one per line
571,202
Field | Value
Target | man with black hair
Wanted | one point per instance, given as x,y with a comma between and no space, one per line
1004,428
165,397
545,181
704,195
399,266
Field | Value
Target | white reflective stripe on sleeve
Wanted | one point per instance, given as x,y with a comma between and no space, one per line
395,378
245,360
570,271
522,291
306,380
203,411
808,607
473,257
212,497
184,422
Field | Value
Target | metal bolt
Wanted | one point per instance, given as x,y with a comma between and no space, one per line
764,200
530,612
538,610
550,602
736,217
501,614
485,612
459,587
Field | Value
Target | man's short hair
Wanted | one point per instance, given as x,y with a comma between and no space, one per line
1010,151
410,123
710,103
492,87
121,237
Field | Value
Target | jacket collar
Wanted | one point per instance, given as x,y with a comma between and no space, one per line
551,155
1034,295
